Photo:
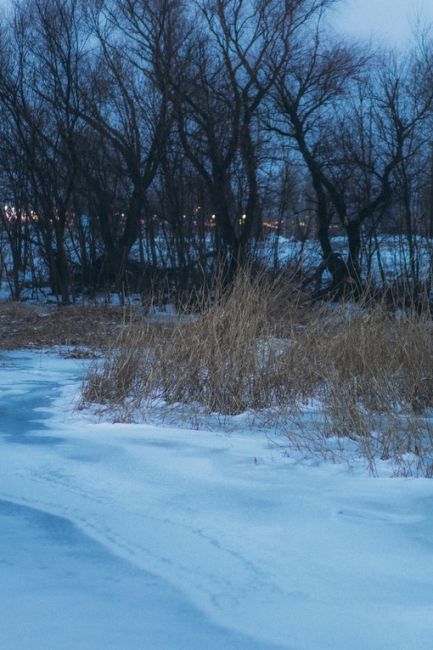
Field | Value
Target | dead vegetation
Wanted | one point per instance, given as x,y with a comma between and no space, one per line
41,326
226,358
252,348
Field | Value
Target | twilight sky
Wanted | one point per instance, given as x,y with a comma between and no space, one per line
387,20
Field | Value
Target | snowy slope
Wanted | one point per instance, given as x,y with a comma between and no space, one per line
151,537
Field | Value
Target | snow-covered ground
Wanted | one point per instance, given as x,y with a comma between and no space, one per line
387,259
143,536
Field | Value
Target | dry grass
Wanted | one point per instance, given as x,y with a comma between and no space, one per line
35,326
252,348
226,359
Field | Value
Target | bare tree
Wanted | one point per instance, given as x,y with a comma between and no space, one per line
121,103
36,87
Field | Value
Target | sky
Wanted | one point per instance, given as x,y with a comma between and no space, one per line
390,21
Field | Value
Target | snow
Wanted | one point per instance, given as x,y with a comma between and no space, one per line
4,291
132,536
387,259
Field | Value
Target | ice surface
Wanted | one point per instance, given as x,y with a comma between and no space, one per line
131,536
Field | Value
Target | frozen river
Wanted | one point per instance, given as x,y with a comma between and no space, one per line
135,536
59,588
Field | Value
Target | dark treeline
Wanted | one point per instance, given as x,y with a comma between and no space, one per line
142,139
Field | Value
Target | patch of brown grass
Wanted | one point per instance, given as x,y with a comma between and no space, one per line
35,326
240,352
253,348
